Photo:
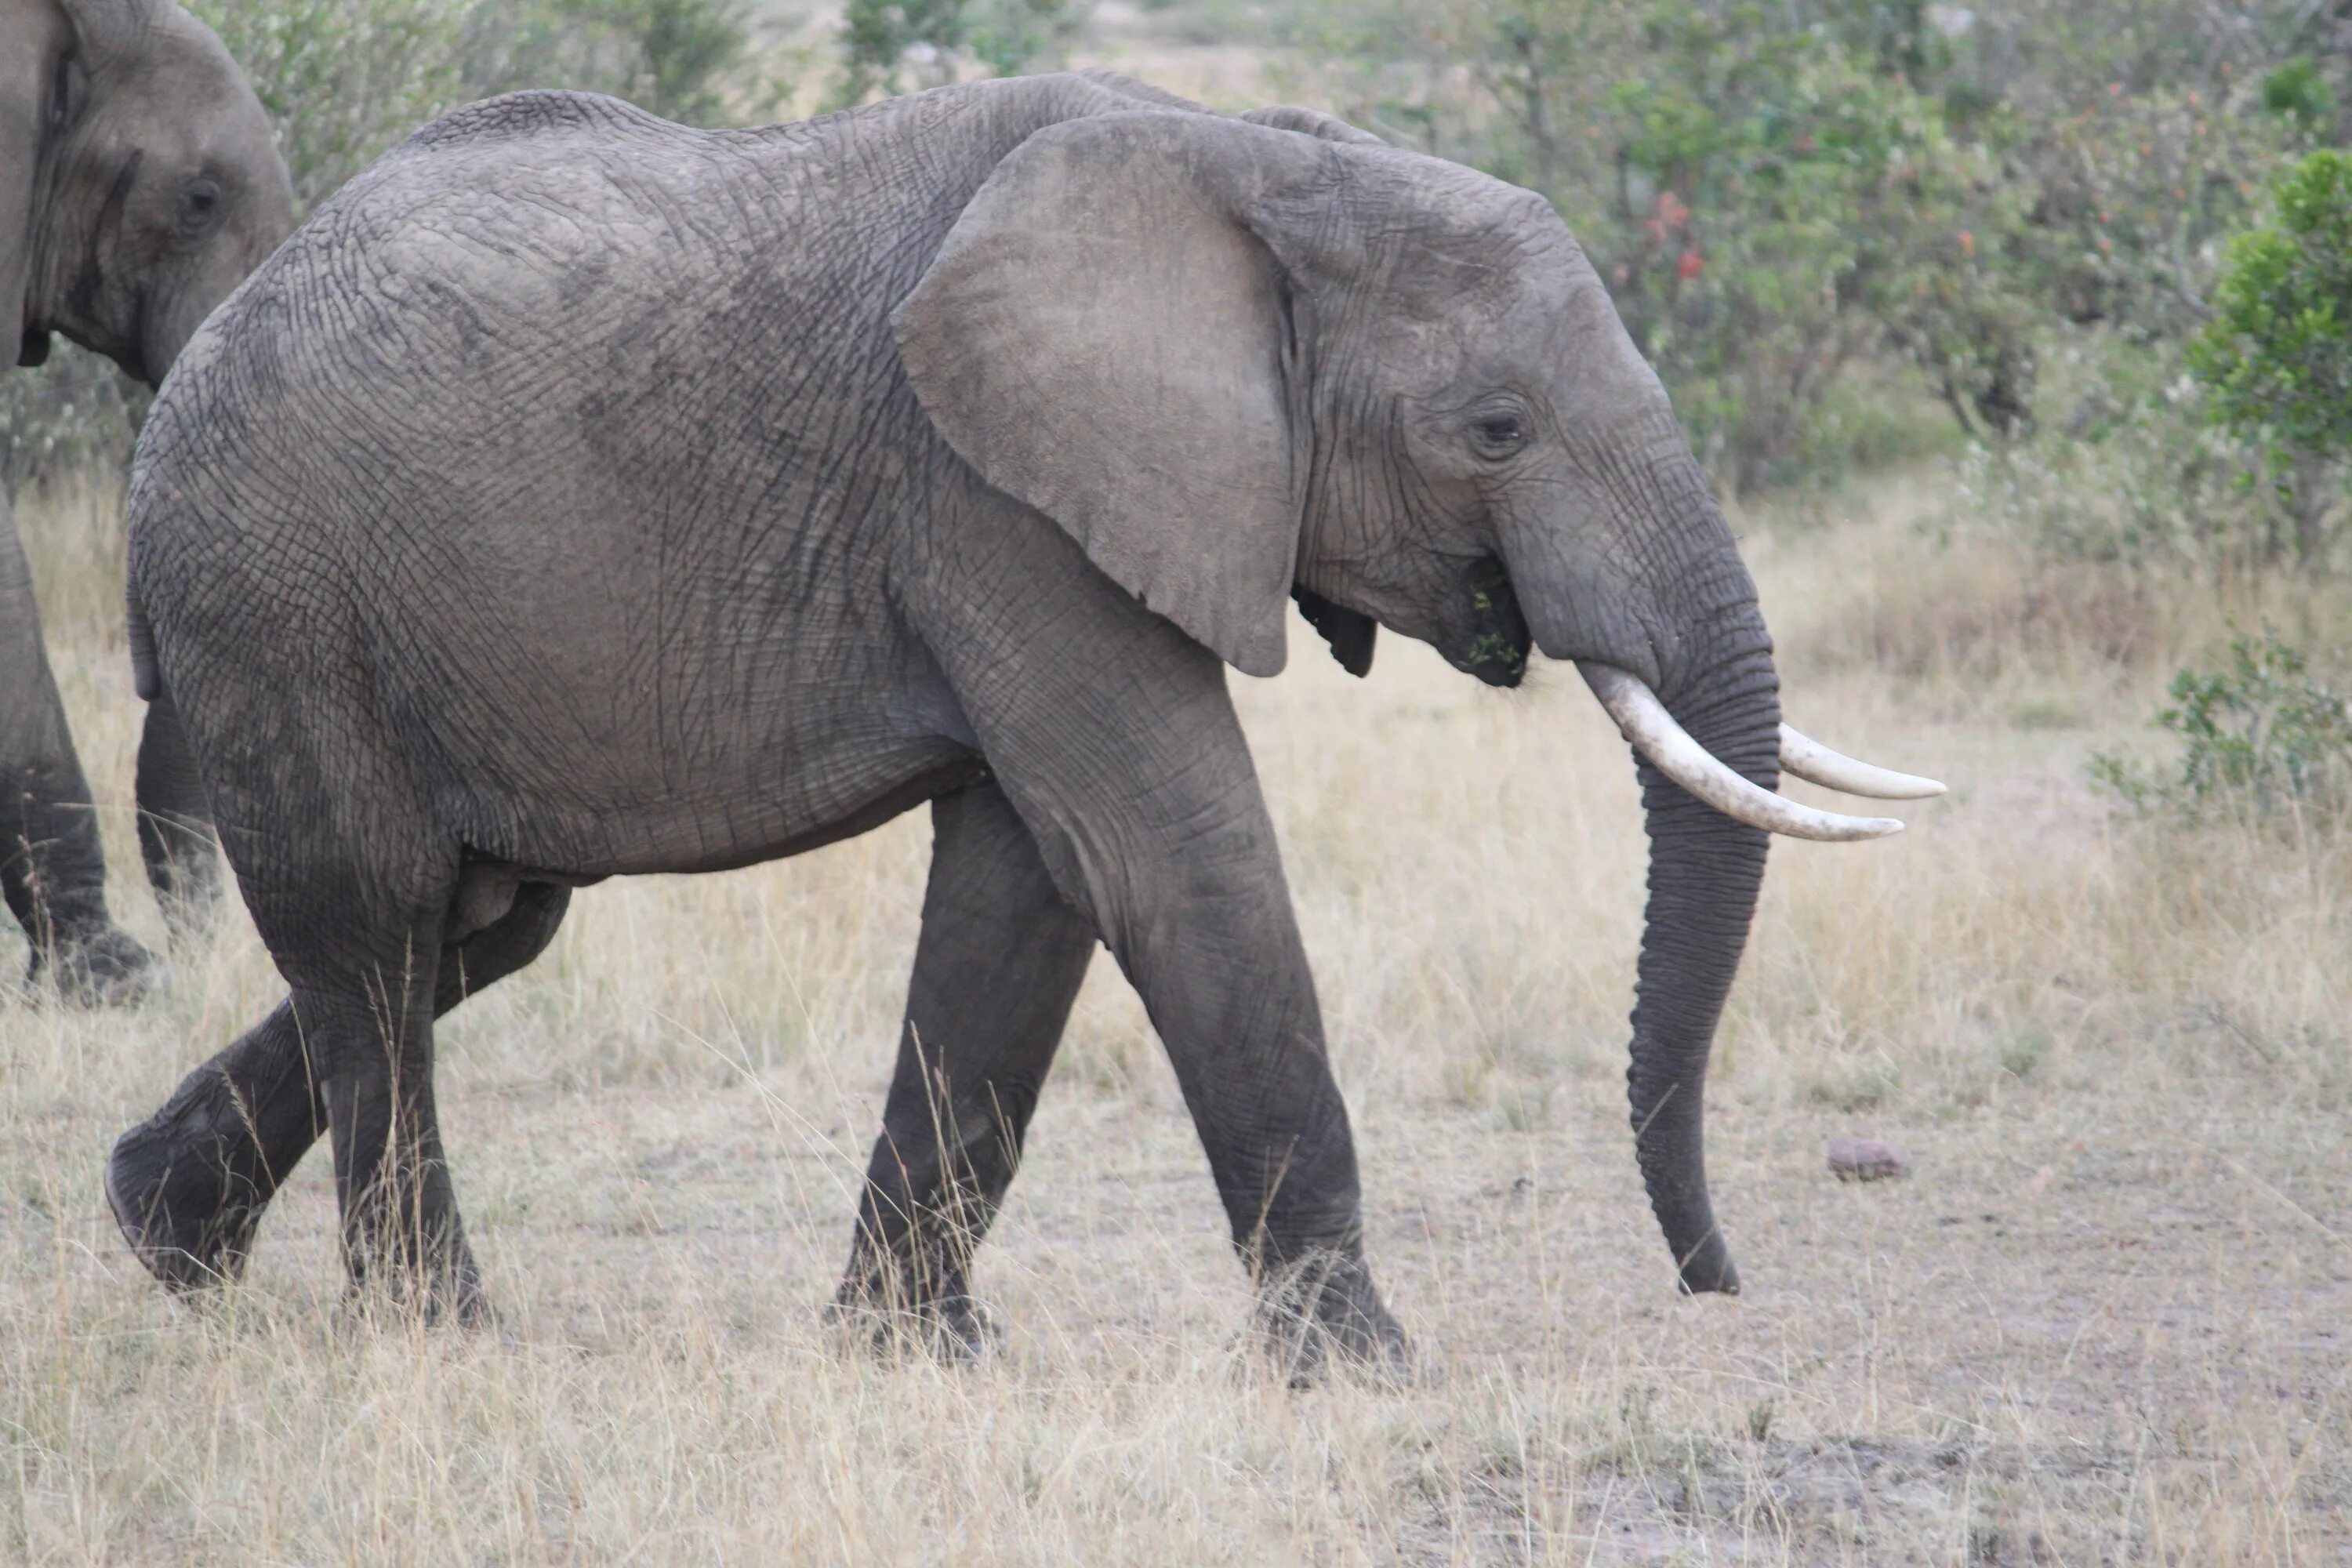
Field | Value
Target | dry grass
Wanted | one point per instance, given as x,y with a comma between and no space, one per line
2104,1321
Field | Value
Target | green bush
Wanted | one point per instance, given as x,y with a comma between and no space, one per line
1785,209
2259,736
903,45
344,79
73,414
2128,468
2130,196
2277,356
1770,200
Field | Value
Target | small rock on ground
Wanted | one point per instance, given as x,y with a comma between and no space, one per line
1867,1160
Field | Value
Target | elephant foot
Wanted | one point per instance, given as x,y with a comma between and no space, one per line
187,1186
895,1324
101,965
183,1209
448,1295
1321,1313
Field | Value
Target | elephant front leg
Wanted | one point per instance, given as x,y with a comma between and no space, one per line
1218,961
52,875
999,962
1129,769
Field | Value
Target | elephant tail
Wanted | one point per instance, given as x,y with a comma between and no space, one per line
144,674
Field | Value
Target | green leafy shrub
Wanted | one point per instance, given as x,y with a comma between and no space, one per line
2129,469
1770,201
344,79
2131,196
73,414
2297,91
903,45
1784,209
2260,735
687,61
2277,356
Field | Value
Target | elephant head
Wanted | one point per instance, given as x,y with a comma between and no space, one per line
138,181
1241,361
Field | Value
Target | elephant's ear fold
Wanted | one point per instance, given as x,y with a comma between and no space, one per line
1350,635
1105,338
109,28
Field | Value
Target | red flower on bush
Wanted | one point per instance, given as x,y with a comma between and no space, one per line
1690,265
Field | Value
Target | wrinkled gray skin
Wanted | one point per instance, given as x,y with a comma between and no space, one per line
578,495
138,186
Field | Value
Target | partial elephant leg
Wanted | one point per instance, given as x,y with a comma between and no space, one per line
999,962
1113,736
51,873
188,1186
1199,918
175,836
401,1228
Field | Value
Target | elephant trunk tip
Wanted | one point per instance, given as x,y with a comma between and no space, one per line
1707,1267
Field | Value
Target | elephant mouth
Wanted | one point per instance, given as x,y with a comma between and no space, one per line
33,348
1497,652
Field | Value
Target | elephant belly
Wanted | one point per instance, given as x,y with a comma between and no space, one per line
697,740
642,825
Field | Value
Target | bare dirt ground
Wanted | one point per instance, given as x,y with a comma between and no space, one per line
2105,1321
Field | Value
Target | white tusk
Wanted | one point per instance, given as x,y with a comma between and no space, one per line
1815,763
1649,729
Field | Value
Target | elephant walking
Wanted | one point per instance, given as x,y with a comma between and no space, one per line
579,495
138,186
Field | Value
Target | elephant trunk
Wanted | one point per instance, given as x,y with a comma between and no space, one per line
1649,597
1706,870
1676,648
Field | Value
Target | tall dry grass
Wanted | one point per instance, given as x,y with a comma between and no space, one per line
2104,1321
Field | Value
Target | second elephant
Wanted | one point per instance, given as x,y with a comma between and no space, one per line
138,186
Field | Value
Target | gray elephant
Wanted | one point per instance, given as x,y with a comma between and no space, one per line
138,186
578,495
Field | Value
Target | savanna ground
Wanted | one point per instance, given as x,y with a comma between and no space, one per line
2105,1320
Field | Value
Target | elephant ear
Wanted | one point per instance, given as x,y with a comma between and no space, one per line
28,78
1105,338
110,28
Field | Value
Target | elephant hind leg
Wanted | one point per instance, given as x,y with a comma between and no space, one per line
176,828
188,1186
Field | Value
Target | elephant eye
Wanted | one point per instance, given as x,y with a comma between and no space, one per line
1498,434
200,207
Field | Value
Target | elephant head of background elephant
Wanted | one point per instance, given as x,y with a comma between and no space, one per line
138,182
1238,366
